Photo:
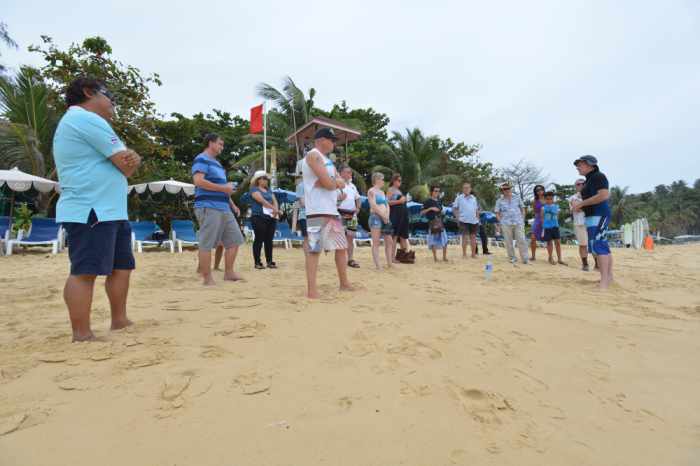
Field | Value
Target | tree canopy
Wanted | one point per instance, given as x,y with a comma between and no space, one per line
31,103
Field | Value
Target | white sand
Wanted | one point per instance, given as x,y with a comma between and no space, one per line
423,365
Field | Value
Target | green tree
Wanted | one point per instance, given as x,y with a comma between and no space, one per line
135,116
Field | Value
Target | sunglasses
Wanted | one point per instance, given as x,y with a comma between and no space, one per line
505,189
107,94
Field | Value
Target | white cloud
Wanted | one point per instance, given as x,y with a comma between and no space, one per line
545,80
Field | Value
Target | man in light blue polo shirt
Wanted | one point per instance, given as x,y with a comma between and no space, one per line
93,165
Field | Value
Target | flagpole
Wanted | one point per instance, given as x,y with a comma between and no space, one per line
264,136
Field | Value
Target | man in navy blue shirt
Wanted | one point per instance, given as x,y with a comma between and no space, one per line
595,205
214,210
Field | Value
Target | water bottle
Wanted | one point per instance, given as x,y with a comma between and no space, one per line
488,270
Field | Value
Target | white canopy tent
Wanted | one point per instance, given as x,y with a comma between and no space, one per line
171,186
18,181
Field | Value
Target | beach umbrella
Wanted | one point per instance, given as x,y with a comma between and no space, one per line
18,181
284,196
488,217
414,207
171,186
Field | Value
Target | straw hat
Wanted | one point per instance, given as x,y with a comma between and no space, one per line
505,184
258,174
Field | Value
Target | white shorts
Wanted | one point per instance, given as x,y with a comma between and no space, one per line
581,234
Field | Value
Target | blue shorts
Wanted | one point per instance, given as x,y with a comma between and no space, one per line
551,234
98,248
376,222
302,227
597,228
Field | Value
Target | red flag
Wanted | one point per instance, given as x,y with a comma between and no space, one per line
256,119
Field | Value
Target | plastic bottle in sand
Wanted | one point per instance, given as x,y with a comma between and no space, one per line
488,270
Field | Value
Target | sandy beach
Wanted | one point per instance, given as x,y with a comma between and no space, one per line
428,364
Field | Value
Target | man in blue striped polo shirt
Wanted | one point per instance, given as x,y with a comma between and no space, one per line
215,210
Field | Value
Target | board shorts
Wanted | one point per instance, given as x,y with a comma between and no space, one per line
325,234
597,228
376,222
581,235
469,228
551,234
98,248
217,226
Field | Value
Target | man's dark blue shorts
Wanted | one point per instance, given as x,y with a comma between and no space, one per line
98,248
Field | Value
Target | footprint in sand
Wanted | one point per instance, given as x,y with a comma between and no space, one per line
212,352
53,358
143,361
177,389
10,424
483,407
23,420
77,381
415,349
419,391
252,383
243,330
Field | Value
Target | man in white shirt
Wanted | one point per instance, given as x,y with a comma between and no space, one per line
348,207
323,224
580,224
466,210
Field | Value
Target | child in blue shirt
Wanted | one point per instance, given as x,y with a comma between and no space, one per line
551,235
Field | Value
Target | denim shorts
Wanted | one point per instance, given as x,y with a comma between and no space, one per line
98,248
376,222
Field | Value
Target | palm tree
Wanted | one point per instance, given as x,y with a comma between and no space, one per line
618,197
290,100
414,155
26,132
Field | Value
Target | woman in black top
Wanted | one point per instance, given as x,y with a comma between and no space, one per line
432,209
398,213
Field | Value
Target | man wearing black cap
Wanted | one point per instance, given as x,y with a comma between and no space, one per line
595,195
324,227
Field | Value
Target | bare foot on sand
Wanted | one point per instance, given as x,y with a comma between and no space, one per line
314,295
347,287
233,277
209,281
120,324
77,338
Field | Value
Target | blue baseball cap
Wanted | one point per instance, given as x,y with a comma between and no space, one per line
589,159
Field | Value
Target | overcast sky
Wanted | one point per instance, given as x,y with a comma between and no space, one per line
543,80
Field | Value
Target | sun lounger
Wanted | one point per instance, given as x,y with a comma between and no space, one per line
361,236
5,229
142,233
182,233
43,232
